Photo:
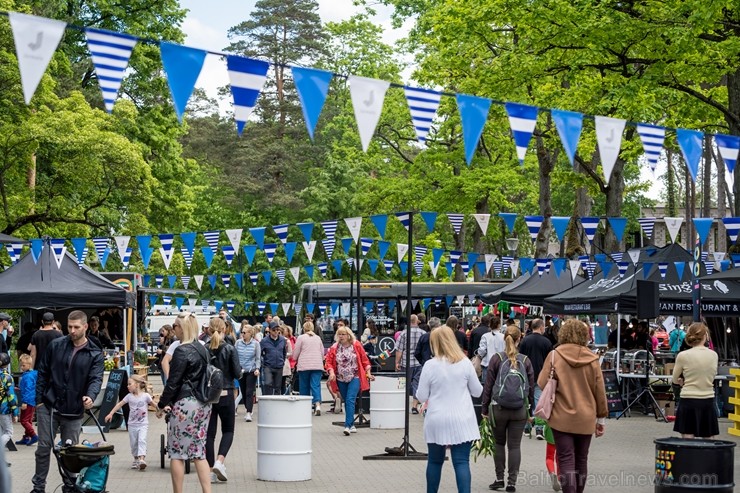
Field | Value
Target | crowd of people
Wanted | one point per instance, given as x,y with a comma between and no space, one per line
61,376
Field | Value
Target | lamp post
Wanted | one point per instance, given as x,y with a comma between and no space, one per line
512,244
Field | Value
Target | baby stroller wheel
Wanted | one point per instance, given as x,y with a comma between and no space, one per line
187,466
162,451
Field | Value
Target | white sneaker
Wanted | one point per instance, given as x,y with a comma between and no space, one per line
248,417
347,431
353,430
214,479
135,464
220,470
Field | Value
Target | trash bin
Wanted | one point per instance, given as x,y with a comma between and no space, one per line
694,465
387,401
284,438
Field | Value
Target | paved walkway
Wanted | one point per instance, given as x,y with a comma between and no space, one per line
623,460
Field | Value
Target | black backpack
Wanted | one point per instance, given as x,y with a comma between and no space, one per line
512,386
209,389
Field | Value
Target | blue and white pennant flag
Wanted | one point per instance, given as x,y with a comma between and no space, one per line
732,225
229,253
647,224
282,232
729,147
330,230
590,225
187,255
523,119
110,53
456,220
534,223
652,138
423,104
247,78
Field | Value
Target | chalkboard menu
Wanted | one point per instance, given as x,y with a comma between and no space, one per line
613,391
116,380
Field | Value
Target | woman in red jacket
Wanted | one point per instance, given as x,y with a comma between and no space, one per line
348,364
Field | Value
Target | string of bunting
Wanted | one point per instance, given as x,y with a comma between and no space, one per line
37,38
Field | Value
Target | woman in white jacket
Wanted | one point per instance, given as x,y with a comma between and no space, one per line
446,384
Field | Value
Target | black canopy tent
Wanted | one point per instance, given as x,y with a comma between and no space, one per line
534,288
41,285
495,296
615,294
380,290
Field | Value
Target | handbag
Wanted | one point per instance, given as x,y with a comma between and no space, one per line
547,398
477,365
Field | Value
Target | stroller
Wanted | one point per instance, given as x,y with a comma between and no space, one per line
83,467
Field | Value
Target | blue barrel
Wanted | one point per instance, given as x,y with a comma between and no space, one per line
694,465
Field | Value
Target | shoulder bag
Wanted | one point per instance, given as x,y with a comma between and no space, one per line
547,398
208,389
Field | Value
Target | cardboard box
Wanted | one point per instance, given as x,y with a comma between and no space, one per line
668,368
667,406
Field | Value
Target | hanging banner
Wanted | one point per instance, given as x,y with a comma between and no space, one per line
121,245
430,218
509,219
732,225
229,254
310,248
652,138
534,223
702,226
281,231
247,77
590,225
36,40
235,237
560,225
522,119
306,229
330,229
609,138
729,147
473,115
212,238
423,104
456,220
328,247
259,236
296,273
365,245
354,224
690,142
110,53
380,221
569,125
402,249
182,65
673,224
312,86
647,224
618,225
367,96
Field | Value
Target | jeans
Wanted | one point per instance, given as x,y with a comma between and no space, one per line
508,434
248,383
309,383
415,375
349,391
572,454
460,456
272,380
69,430
223,410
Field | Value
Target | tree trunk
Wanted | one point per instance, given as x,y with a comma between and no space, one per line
671,188
721,203
582,208
614,194
546,158
733,106
706,186
690,206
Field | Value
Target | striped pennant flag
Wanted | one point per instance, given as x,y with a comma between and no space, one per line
205,304
328,247
101,245
212,239
388,264
166,300
729,146
622,267
663,269
423,104
110,53
13,253
418,266
297,307
280,273
261,305
185,281
248,305
188,256
590,225
330,229
709,265
125,260
226,280
617,256
647,224
465,268
542,265
420,251
404,218
365,245
270,251
590,268
497,266
652,138
455,257
523,119
323,268
254,277
732,225
534,223
158,280
704,256
247,77
230,306
282,232
456,220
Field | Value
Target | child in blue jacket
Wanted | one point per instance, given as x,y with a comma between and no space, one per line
27,388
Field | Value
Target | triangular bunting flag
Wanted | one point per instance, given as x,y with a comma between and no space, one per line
267,276
622,268
239,279
185,281
456,221
328,247
182,65
702,226
354,224
187,256
534,223
388,264
482,220
634,254
306,229
609,138
402,248
574,265
367,97
229,253
249,252
569,125
473,114
652,138
404,266
590,225
312,86
618,225
383,247
673,224
430,218
188,239
330,229
403,217
110,53
270,251
523,119
433,267
680,266
212,238
121,245
647,224
37,245
235,238
289,248
423,104
254,278
280,273
690,142
282,232
146,257
380,221
247,76
455,257
259,236
207,255
732,225
509,219
295,272
346,245
323,268
373,264
365,245
310,248
560,225
337,264
36,40
212,280
663,269
729,147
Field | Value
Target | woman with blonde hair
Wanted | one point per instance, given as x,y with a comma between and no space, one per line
349,366
309,356
225,358
508,370
580,408
447,381
248,350
186,430
695,371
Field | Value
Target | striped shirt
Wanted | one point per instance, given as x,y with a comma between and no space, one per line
249,356
416,334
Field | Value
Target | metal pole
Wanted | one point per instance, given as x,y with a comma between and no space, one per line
351,295
360,311
408,336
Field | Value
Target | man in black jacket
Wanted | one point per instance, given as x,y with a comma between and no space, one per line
477,334
70,375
